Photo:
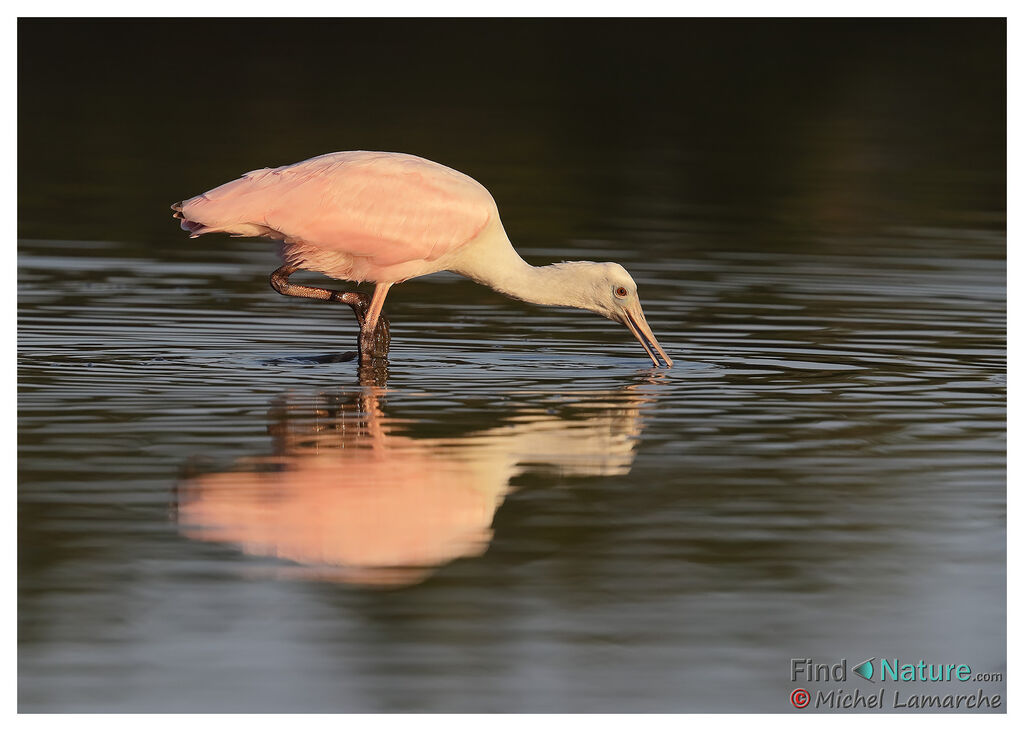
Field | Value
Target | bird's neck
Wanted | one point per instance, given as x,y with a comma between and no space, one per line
495,262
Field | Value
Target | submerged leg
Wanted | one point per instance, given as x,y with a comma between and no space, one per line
368,336
360,303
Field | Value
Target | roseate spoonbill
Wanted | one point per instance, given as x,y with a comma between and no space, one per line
386,217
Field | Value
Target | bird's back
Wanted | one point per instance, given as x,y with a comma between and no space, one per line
382,208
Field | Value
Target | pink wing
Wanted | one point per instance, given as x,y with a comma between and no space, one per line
387,207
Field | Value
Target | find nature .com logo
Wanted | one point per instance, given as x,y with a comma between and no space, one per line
877,671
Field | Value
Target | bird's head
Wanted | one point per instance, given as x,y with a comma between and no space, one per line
609,291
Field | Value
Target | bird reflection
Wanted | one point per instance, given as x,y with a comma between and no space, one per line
351,494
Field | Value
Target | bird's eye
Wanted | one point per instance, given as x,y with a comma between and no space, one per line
621,291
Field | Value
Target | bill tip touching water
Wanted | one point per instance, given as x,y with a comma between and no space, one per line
386,217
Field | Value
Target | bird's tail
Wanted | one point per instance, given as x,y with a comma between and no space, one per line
198,228
193,227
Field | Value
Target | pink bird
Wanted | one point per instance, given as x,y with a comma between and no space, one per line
386,217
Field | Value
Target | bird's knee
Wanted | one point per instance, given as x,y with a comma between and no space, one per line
279,279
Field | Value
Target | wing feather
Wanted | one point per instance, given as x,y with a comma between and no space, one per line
388,207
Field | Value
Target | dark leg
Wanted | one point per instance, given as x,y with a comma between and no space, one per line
375,346
358,301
